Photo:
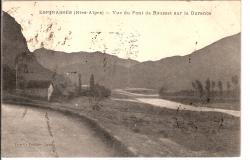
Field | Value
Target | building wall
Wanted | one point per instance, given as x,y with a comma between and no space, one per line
39,93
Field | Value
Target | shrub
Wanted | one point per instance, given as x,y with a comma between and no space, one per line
96,90
100,91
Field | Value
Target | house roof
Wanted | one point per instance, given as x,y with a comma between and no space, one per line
38,84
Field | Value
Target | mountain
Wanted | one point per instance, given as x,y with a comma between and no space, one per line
56,59
14,45
13,41
109,70
217,61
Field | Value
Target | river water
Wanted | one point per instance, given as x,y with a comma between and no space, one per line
154,100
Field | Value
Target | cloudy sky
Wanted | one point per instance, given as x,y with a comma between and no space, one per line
136,36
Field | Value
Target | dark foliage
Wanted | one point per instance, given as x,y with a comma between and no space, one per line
162,90
100,91
38,84
220,87
199,88
8,78
211,92
208,89
92,82
96,90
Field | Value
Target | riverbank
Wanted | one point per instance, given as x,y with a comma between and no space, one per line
229,104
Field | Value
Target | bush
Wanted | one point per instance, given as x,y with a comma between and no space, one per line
96,90
101,91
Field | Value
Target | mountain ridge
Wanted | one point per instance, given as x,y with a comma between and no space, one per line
77,57
220,60
217,61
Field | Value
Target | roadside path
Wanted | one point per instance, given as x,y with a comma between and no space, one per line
33,132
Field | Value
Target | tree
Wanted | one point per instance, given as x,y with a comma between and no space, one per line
235,81
54,73
220,86
199,88
207,87
162,90
92,83
212,87
194,85
228,87
79,83
194,88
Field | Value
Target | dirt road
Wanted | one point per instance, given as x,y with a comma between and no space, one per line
32,132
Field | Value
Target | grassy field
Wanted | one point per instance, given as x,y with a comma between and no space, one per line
214,134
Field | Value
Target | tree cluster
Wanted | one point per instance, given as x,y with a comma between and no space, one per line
212,88
97,90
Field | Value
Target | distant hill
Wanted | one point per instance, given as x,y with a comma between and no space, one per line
57,59
108,70
217,61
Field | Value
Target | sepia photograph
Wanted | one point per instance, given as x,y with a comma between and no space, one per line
121,79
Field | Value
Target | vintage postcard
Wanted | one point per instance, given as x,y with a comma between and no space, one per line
121,79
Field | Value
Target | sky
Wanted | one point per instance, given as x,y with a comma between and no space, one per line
136,35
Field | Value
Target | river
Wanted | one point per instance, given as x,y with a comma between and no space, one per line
153,99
